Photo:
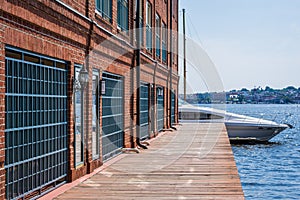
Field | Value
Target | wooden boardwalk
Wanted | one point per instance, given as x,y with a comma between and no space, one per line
195,162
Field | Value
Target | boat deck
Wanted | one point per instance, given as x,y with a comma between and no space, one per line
194,162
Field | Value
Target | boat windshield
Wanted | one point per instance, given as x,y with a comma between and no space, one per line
182,102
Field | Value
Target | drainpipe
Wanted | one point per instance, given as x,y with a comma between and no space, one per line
171,63
87,7
138,73
184,56
154,113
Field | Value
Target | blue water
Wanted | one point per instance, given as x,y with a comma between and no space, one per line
270,171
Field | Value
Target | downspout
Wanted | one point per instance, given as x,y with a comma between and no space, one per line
138,73
184,56
154,116
168,76
171,63
87,7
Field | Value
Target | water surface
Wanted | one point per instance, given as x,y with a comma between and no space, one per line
270,171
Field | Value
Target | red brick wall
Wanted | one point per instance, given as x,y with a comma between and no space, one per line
78,5
2,113
39,33
49,28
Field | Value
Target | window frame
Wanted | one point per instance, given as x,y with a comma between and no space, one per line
149,38
95,93
164,42
157,35
100,9
123,15
77,68
141,21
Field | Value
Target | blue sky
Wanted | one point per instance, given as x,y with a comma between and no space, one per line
251,42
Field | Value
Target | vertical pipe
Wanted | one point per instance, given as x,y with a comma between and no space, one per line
171,61
169,19
87,7
138,72
184,56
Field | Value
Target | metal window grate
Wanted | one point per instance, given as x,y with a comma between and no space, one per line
160,108
112,116
144,111
36,123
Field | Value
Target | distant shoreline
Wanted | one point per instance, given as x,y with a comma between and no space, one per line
288,95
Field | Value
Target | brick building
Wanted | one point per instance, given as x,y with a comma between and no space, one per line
54,126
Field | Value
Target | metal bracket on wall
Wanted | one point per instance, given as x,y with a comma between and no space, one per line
126,150
145,143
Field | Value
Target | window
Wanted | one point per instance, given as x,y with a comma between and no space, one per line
148,26
141,20
78,108
123,14
95,114
160,108
104,8
36,123
164,42
157,34
112,115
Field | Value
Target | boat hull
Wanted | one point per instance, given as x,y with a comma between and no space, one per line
244,132
239,127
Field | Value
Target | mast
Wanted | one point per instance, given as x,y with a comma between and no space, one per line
184,56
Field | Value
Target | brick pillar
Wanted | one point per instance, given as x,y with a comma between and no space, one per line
71,140
88,117
2,112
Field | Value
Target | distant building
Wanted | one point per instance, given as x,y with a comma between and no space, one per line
53,128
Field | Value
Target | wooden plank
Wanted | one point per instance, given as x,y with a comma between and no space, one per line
183,164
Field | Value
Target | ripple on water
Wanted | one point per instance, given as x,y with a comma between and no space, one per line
272,170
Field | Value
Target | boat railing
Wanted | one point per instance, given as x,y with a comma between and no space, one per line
263,116
245,117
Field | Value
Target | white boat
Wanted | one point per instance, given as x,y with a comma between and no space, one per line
239,127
